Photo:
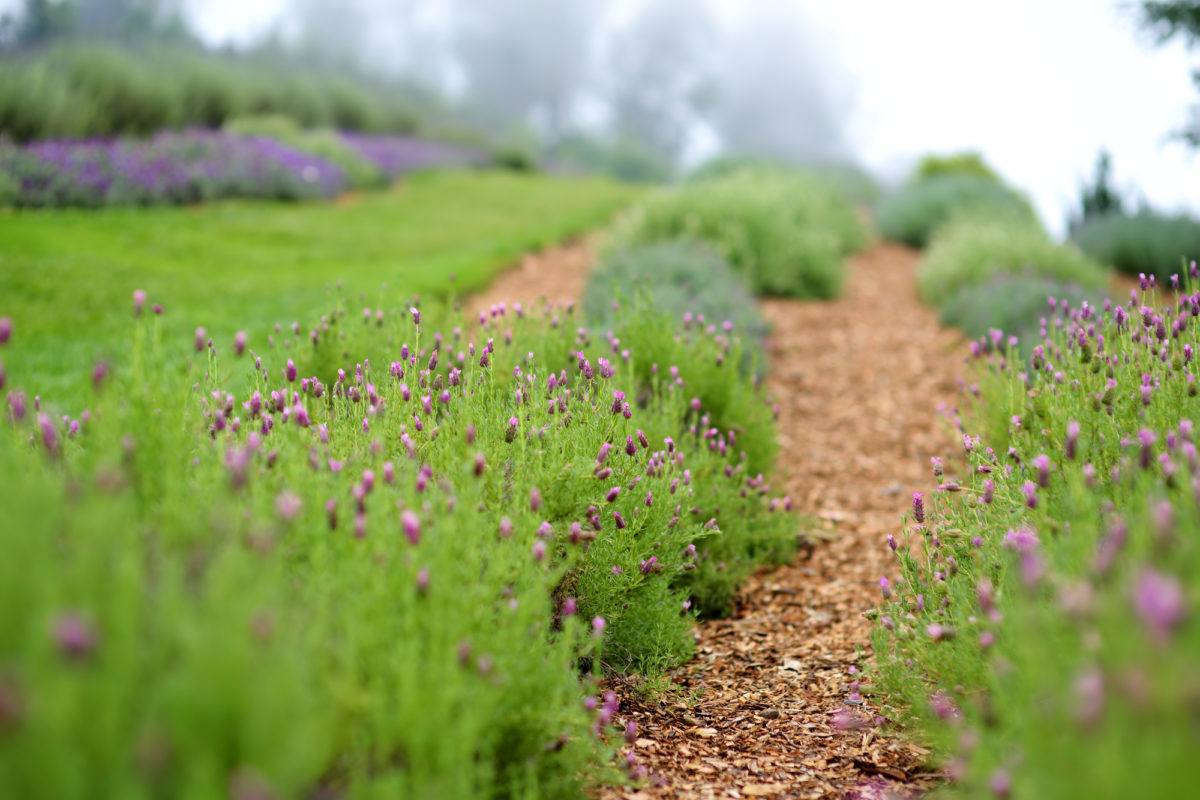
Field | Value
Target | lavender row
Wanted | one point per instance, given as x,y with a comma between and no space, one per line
199,165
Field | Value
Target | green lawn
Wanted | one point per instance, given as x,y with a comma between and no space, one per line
66,277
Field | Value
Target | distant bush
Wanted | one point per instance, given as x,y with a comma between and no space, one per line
188,167
786,233
1014,304
968,163
688,282
82,89
852,181
913,213
1147,241
621,158
324,143
973,252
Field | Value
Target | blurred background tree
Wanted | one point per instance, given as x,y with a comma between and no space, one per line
1170,19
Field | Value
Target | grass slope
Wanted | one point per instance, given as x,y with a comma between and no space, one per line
66,276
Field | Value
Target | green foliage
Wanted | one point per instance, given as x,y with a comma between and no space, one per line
787,233
199,603
323,143
1146,242
1099,198
227,264
851,181
622,158
914,213
1014,304
748,537
88,89
1045,611
675,278
971,252
969,164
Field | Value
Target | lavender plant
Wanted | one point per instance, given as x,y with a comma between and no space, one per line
170,168
1042,612
288,570
399,155
914,213
678,278
970,252
787,233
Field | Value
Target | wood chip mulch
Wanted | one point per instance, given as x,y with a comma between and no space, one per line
767,708
859,381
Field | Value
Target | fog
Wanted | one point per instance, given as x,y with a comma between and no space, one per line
1039,88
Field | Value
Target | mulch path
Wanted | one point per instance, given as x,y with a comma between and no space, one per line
556,275
859,382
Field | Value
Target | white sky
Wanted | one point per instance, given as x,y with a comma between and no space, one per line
1038,86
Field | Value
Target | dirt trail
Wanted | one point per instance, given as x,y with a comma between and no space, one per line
556,274
859,381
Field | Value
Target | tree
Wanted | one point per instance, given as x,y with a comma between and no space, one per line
1098,197
43,20
1170,19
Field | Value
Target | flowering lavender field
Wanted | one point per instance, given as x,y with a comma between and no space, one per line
1043,605
200,165
398,155
386,552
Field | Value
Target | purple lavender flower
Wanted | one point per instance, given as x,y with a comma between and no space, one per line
1159,602
73,636
411,525
1029,489
598,626
918,507
287,505
1042,464
1072,439
1021,540
48,431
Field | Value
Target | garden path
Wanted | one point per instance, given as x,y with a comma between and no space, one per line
859,382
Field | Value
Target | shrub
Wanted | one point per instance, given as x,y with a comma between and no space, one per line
683,280
748,538
170,168
620,157
260,575
786,233
972,252
1146,242
915,212
849,180
968,164
1045,609
120,95
1014,304
325,144
90,89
